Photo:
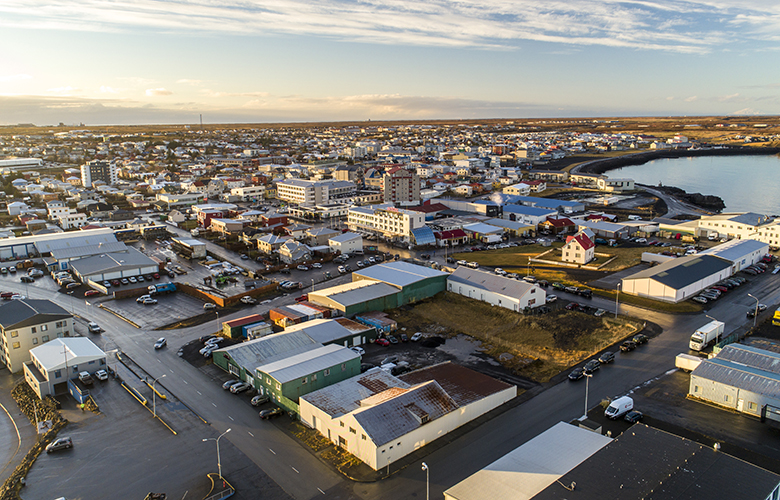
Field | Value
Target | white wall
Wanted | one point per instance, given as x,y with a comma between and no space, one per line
538,296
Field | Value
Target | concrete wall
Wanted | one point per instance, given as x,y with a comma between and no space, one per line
512,303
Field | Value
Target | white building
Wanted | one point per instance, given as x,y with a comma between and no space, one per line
52,364
308,192
17,207
520,189
578,249
508,293
98,170
346,243
380,418
741,226
612,185
385,220
249,193
677,279
25,324
72,220
742,253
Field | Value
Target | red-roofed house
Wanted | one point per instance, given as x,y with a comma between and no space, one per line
429,209
451,238
579,249
560,225
537,186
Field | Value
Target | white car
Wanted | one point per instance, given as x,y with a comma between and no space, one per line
417,336
209,306
149,302
776,269
101,375
551,298
358,350
142,298
317,265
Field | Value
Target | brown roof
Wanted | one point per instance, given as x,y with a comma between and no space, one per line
463,384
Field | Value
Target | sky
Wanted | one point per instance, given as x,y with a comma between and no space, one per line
252,61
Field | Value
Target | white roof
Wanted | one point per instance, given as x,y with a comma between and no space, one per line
76,350
529,469
304,364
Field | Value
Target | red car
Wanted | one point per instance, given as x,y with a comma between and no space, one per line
383,342
90,293
156,276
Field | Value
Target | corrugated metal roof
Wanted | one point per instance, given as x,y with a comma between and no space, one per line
345,397
322,330
479,227
87,250
735,250
402,414
424,236
745,368
509,224
683,271
111,261
357,292
53,354
492,282
463,384
398,273
353,326
526,210
304,364
251,354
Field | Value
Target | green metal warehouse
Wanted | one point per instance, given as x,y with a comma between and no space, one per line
415,282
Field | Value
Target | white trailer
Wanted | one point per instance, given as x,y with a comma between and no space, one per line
686,362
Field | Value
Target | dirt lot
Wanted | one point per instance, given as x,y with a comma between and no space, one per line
537,347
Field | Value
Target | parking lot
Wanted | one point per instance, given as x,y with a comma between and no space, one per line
170,308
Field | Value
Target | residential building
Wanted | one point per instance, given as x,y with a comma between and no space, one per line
52,364
291,252
615,185
578,249
346,242
385,220
270,243
248,193
310,192
72,220
521,189
512,294
27,323
401,186
98,170
380,418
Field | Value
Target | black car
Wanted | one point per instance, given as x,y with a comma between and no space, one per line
584,292
404,337
267,414
591,366
628,345
450,260
640,339
27,279
392,339
607,357
577,374
633,416
285,271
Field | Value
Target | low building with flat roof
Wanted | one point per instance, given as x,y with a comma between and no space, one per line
512,294
677,279
52,364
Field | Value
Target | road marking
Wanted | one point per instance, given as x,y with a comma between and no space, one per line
199,393
272,451
212,404
293,468
320,491
250,433
185,381
231,418
158,359
172,371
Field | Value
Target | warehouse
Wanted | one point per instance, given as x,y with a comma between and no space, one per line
242,359
189,247
415,282
515,295
340,331
234,329
513,228
741,378
357,297
677,279
115,265
380,418
293,314
742,253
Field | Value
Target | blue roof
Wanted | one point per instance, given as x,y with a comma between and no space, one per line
424,236
526,210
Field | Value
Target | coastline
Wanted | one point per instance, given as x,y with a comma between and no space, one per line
599,166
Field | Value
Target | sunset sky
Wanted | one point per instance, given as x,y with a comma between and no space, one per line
154,61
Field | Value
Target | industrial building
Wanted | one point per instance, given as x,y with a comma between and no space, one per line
380,418
677,279
114,265
357,297
53,363
515,295
189,247
341,331
528,215
415,282
242,359
742,253
741,378
293,314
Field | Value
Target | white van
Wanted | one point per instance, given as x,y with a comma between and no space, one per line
619,407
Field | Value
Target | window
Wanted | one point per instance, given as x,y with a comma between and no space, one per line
726,398
341,424
14,333
363,436
16,345
34,330
35,340
44,328
353,431
695,388
305,380
57,373
45,338
751,406
314,377
278,386
343,366
327,372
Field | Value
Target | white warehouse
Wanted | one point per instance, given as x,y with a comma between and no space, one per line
496,290
677,279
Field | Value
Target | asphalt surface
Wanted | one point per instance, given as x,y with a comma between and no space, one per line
301,475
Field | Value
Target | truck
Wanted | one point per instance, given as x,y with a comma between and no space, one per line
161,288
706,335
619,407
194,233
686,362
775,318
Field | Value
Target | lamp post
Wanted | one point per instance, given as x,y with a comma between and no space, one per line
587,379
755,315
219,462
427,481
312,284
617,296
154,396
217,313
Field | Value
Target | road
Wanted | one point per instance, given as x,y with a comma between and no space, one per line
674,206
303,476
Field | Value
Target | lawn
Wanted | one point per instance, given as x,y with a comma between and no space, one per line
541,346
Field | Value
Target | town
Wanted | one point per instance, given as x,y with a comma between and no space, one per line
461,310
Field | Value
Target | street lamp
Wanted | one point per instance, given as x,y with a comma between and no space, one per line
587,379
617,296
427,481
217,313
219,462
755,315
154,396
312,284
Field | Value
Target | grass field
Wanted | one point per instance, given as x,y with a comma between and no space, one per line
541,345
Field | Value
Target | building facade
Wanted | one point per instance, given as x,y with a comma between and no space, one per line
98,170
385,220
401,186
25,324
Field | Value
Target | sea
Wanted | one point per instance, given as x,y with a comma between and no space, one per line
744,183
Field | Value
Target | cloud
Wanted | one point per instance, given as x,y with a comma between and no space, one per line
187,81
214,93
687,26
692,98
14,78
108,90
158,92
64,90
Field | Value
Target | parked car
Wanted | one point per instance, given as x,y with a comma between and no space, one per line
101,375
259,399
85,378
576,374
383,342
267,414
599,313
90,293
161,342
358,350
3,270
627,346
392,339
317,265
417,336
72,285
149,302
107,284
633,416
142,298
93,327
302,268
591,366
58,444
124,281
240,387
640,339
27,279
227,385
700,299
404,337
12,269
132,279
551,298
208,306
607,357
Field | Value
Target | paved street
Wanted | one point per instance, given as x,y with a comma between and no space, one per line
286,461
